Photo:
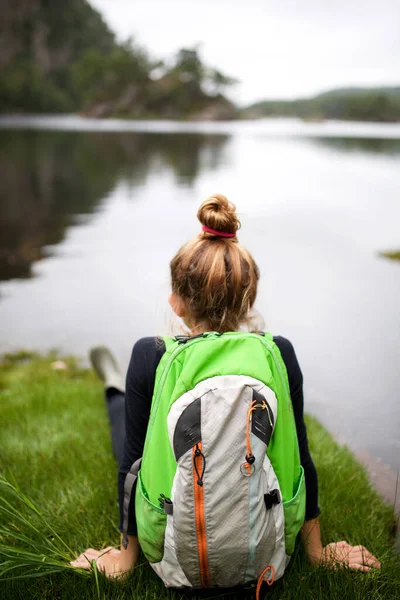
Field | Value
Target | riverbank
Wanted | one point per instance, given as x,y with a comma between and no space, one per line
55,446
351,135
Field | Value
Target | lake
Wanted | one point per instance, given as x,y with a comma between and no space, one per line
91,212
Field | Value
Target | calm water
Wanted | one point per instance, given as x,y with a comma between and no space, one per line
90,219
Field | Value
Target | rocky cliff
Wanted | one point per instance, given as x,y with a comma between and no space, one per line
61,57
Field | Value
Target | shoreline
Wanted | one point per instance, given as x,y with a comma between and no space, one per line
382,476
386,482
189,119
277,127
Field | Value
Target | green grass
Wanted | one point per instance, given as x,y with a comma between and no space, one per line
55,448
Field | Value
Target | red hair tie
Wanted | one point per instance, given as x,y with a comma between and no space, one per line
224,234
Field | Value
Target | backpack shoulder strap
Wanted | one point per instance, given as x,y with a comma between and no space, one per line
168,341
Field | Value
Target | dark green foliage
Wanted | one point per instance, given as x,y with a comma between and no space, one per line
43,38
99,78
24,86
55,448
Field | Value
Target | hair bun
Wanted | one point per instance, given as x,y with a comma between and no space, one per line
218,213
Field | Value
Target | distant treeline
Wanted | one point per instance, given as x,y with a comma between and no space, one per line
61,57
351,104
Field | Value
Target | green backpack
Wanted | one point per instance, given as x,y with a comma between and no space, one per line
220,493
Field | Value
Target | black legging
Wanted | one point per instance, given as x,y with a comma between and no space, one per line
115,401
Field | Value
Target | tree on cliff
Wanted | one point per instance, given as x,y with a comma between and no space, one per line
62,57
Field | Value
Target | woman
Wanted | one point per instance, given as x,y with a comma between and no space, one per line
214,285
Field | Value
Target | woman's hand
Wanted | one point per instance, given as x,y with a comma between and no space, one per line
113,562
107,560
336,554
342,554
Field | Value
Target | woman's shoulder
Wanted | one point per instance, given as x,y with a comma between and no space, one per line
283,344
146,355
149,343
148,349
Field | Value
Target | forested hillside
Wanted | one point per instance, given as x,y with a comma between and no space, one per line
349,104
61,57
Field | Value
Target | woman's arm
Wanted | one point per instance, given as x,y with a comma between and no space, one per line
295,378
336,553
145,358
129,556
119,562
311,537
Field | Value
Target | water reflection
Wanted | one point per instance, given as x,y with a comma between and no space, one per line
48,178
365,145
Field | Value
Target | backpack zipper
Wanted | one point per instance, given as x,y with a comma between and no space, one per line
199,465
196,459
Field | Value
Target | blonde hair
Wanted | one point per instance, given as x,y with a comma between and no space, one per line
216,276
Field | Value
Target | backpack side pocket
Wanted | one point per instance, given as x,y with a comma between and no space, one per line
294,511
151,523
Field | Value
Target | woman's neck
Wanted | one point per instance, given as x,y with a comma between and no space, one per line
199,328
